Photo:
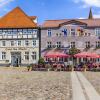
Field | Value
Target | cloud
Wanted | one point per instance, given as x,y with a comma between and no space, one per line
89,3
4,2
96,15
81,18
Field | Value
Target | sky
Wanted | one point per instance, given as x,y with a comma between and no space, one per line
53,9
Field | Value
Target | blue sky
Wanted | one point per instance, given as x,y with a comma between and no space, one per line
53,9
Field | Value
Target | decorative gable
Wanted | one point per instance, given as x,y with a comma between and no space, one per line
73,22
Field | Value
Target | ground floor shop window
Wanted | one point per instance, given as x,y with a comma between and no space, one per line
61,59
47,59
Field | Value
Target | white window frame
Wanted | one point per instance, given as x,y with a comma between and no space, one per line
58,44
3,55
97,31
87,44
49,32
73,44
74,31
49,44
34,55
97,44
12,43
35,35
34,42
3,43
26,42
26,56
19,43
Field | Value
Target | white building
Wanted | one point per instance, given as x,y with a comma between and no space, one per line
19,39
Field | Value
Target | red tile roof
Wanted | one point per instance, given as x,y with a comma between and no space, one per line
33,17
53,23
17,19
57,23
91,22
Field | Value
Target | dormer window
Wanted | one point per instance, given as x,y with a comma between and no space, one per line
49,32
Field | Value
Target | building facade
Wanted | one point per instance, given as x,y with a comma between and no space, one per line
19,39
83,34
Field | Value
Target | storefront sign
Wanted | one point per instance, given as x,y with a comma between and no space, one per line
16,49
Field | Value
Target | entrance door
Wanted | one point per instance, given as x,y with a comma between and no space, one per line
15,59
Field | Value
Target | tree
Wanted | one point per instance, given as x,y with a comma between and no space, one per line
73,51
41,61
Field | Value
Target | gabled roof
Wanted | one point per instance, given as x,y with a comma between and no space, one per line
17,19
57,23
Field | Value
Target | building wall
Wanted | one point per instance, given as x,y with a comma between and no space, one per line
19,36
80,41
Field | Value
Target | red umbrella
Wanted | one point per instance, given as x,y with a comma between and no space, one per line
53,55
94,55
86,54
